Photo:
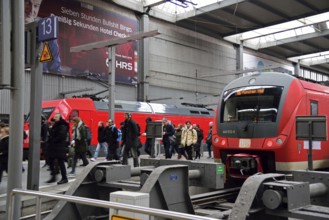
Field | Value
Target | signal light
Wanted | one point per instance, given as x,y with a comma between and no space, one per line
275,142
223,142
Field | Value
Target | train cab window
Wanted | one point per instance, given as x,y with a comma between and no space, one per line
47,112
73,114
253,104
314,108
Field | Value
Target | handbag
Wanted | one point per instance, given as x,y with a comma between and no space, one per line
172,139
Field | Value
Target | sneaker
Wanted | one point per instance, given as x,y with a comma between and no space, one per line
92,159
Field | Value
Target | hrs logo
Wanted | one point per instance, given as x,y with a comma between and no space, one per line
123,65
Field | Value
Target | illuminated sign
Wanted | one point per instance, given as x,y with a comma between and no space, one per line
250,92
119,217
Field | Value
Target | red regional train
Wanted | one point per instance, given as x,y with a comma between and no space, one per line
255,124
91,112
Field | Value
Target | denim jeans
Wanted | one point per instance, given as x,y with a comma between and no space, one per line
99,146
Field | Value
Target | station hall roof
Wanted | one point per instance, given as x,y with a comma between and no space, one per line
297,30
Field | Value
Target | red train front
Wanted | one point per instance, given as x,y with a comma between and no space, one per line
255,130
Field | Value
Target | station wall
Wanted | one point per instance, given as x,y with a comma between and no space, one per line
180,62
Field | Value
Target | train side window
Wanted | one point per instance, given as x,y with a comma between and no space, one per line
73,114
194,112
314,108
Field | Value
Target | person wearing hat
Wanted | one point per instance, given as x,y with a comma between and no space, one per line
130,135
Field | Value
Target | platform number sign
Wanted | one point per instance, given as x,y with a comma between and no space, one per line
48,29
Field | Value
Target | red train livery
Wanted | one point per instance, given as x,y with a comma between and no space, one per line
91,112
255,124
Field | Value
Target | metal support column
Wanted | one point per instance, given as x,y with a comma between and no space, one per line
297,68
5,65
111,81
144,63
16,105
310,146
35,111
239,57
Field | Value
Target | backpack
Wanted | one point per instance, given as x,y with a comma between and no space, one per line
89,135
138,130
119,134
209,138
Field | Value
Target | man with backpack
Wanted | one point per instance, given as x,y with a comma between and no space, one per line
112,138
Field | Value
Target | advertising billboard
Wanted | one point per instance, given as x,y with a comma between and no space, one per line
81,23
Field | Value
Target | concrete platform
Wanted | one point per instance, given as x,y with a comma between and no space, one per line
28,203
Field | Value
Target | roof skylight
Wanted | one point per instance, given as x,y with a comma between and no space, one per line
312,59
256,39
175,7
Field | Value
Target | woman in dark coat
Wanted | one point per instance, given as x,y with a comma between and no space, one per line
57,147
4,148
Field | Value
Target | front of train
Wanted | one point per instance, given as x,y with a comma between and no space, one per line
250,126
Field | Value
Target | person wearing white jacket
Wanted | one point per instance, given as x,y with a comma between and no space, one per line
189,138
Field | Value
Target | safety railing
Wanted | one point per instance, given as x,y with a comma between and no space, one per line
97,203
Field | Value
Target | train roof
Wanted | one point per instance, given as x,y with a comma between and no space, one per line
264,78
156,108
275,78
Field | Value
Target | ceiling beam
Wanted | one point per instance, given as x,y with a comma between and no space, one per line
315,62
270,9
133,5
160,14
201,29
208,8
151,4
289,47
113,42
308,5
294,39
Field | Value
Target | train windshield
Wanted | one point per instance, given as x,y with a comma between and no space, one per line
252,104
45,112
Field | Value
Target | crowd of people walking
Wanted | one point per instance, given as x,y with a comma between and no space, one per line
118,143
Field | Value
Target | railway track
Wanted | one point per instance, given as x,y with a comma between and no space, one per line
215,198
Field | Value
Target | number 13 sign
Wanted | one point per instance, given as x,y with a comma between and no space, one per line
48,29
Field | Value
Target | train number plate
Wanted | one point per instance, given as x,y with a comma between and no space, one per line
244,143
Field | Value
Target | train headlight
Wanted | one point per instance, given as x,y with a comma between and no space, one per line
275,142
216,139
279,141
